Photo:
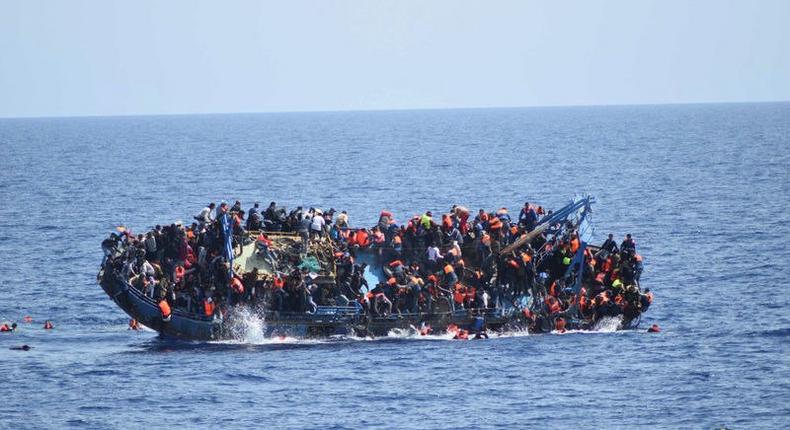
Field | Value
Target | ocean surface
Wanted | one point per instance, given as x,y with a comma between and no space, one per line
704,189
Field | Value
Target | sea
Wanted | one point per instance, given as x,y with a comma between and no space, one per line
704,189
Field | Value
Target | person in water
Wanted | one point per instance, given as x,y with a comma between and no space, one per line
5,328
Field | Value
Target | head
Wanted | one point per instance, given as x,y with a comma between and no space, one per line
212,205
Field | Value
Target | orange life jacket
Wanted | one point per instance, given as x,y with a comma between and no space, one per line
208,307
649,297
553,304
361,238
495,224
448,269
164,307
574,245
48,325
397,240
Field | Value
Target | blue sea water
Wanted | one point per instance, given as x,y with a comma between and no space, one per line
703,188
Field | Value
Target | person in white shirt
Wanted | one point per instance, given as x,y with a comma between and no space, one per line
317,226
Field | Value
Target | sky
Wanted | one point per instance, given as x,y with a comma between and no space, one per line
71,58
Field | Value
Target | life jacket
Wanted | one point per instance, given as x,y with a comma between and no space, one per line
495,224
391,281
553,304
279,282
397,240
447,223
526,258
208,307
575,245
264,240
486,239
459,293
396,263
179,273
361,238
385,213
638,257
164,307
512,263
600,277
5,327
461,335
448,269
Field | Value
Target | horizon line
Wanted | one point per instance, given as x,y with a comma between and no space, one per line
308,111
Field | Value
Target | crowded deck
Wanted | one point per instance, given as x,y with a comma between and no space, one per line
536,268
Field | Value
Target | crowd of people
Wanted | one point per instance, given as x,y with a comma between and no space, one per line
455,260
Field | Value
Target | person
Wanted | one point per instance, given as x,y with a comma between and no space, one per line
48,325
254,218
264,247
426,220
654,329
206,215
21,348
304,231
528,217
317,226
628,245
434,256
609,245
7,328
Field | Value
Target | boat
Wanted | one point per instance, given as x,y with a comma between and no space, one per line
352,319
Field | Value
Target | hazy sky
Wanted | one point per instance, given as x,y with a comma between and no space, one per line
128,57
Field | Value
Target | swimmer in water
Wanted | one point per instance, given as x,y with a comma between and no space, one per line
21,348
6,328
